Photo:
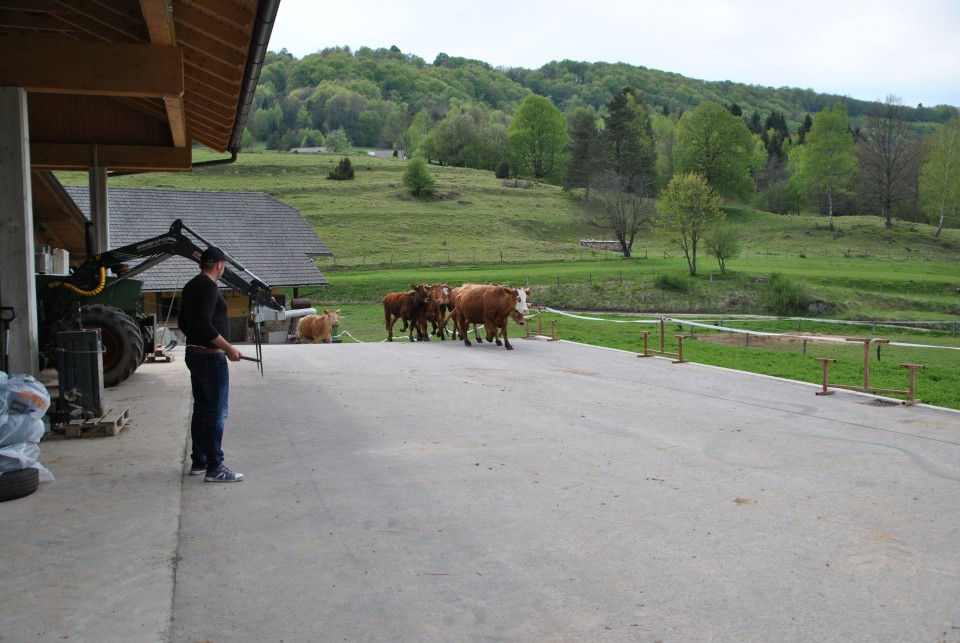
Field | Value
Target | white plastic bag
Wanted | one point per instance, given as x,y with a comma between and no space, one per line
24,394
17,427
45,475
19,456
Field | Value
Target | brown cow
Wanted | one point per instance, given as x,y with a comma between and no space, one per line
437,308
489,305
317,328
492,334
409,306
454,293
515,315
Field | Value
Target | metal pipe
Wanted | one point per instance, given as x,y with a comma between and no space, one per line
263,27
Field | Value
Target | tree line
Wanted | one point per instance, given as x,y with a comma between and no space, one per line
374,95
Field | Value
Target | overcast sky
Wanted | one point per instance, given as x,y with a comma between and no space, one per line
864,49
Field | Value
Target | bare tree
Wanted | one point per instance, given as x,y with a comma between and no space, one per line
888,157
612,209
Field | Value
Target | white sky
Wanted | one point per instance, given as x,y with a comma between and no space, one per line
864,49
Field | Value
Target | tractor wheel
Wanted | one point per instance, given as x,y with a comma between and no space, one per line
121,339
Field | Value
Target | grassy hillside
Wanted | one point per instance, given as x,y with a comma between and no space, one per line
476,225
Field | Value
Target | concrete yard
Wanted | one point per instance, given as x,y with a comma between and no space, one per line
433,492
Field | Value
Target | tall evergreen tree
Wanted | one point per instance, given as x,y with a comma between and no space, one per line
628,143
734,109
804,129
775,132
585,153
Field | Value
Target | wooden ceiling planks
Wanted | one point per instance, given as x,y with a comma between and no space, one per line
211,38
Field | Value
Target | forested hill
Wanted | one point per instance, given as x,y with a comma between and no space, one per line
374,94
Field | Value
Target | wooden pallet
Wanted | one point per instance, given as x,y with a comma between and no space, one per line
107,425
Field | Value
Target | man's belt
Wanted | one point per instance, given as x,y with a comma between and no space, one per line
203,351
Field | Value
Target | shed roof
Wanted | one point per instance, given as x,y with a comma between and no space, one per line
271,239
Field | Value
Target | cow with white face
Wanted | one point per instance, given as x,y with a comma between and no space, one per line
522,294
493,334
438,307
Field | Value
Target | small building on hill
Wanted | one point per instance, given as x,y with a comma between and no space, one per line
269,238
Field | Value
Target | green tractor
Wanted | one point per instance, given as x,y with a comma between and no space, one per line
126,334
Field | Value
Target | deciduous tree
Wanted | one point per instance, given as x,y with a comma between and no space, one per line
940,175
417,132
687,208
717,145
665,136
417,177
617,211
537,137
464,138
828,163
337,141
723,242
888,156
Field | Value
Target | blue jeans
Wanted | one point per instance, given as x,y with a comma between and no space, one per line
210,381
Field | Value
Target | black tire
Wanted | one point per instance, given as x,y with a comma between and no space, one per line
121,339
18,483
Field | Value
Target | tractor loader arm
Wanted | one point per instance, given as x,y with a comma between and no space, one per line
263,307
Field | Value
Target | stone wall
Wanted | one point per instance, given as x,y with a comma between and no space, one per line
609,246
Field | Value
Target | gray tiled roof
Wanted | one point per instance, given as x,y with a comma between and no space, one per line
271,239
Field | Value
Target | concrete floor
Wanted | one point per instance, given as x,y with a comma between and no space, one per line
433,492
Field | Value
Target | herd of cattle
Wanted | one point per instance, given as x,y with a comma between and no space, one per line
422,305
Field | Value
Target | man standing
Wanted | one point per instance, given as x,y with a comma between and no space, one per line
203,319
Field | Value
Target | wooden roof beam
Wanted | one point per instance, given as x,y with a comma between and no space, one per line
43,65
80,157
159,17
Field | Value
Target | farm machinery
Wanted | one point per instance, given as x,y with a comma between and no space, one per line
89,298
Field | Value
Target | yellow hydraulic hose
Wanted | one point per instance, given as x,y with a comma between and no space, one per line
83,293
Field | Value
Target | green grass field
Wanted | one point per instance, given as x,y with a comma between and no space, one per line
478,229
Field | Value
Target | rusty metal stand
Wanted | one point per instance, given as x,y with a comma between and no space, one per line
648,352
539,333
826,361
866,388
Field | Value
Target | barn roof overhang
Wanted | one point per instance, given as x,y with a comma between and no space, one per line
131,86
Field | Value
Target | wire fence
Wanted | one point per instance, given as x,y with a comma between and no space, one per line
439,257
721,325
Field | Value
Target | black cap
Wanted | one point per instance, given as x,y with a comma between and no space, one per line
212,254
